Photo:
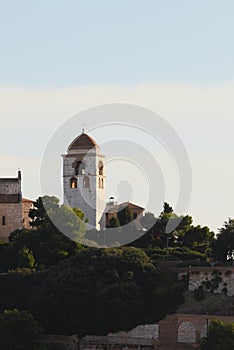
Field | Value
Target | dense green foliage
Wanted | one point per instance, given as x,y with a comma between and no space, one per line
184,242
18,330
220,336
51,216
198,293
223,247
71,289
94,292
45,245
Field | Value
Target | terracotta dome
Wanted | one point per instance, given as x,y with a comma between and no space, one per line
83,141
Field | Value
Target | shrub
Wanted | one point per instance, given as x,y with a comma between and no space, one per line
18,330
198,293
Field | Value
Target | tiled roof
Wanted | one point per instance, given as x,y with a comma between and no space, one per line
118,207
25,200
83,141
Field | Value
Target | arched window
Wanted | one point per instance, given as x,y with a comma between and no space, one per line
86,182
187,332
79,168
73,182
100,168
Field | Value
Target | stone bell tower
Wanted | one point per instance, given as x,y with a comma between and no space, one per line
84,179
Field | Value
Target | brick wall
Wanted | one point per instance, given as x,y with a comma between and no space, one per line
186,328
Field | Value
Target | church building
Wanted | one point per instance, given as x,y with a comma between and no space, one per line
13,208
84,183
84,187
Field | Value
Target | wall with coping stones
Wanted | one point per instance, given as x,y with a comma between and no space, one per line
148,331
142,337
177,331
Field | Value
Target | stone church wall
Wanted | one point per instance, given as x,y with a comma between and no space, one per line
10,186
13,219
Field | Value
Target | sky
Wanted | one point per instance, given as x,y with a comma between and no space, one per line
173,57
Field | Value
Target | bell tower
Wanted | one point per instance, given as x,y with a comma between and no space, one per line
84,179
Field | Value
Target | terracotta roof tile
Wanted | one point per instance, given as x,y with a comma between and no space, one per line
25,200
83,141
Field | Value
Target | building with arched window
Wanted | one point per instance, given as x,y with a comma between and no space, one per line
84,183
84,179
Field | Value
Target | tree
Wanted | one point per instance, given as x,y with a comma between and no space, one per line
47,244
45,247
39,216
161,236
167,209
197,238
48,214
18,330
8,257
158,234
114,222
39,248
224,245
220,336
100,290
26,258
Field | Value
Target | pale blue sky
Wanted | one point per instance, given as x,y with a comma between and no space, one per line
63,43
176,57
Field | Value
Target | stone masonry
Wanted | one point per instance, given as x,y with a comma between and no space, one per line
218,279
13,208
84,179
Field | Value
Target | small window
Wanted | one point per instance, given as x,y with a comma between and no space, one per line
99,183
134,215
102,183
100,168
3,220
79,168
73,183
86,182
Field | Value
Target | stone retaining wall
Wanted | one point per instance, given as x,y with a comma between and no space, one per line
211,279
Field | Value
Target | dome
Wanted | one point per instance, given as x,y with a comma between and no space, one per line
83,141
